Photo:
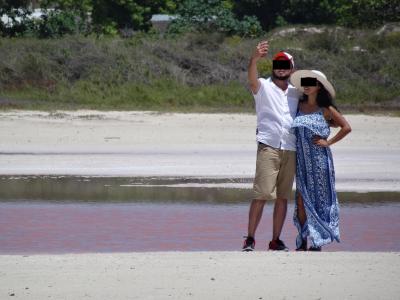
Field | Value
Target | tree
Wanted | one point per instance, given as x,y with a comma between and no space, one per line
17,12
58,23
126,14
358,13
213,16
266,11
368,13
82,7
310,11
110,16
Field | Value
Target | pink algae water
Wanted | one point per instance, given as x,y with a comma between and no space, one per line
40,227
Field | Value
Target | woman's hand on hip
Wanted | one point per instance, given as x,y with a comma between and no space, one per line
319,141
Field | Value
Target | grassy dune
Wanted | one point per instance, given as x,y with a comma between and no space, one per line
195,72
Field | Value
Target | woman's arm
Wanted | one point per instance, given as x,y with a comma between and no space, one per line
338,119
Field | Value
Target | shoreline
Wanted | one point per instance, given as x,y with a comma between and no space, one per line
343,185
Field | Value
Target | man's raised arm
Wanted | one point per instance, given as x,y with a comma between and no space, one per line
260,51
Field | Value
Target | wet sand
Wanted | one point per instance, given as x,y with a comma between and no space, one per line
65,227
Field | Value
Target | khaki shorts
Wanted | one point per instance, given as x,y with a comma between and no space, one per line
275,169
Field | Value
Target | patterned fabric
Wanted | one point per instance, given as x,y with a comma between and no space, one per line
315,181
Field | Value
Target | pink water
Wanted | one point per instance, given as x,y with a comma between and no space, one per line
32,228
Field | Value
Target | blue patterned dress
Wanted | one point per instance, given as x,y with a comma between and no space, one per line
315,181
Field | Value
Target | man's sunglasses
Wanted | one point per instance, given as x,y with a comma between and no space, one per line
281,65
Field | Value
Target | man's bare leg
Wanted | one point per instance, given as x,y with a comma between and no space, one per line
255,214
279,216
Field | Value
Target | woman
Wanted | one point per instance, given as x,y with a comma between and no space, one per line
316,214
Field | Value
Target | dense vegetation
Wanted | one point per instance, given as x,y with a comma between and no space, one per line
244,18
193,71
105,54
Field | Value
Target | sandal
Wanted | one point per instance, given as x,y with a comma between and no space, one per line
312,248
303,246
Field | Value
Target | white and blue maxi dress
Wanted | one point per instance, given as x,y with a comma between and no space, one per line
315,181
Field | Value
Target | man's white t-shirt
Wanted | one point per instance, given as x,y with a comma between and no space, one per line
276,110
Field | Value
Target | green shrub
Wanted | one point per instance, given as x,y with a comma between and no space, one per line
392,39
212,16
332,40
264,68
368,13
190,72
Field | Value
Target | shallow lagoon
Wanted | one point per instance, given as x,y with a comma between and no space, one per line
80,214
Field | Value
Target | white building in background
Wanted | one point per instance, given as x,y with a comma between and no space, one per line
161,22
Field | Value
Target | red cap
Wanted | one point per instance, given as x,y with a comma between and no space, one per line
284,56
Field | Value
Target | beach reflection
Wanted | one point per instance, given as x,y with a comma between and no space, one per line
65,214
144,189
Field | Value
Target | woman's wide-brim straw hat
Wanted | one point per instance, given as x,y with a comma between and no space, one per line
295,80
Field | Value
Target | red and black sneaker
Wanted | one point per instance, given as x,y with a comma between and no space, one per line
248,244
277,245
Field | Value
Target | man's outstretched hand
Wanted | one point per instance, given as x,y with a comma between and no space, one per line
261,50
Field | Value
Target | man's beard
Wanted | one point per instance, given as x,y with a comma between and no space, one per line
274,76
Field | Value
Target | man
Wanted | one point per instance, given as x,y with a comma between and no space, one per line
276,105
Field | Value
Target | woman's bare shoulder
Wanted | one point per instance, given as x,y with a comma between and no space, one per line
327,113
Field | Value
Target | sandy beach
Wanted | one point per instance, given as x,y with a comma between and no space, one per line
202,275
148,144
